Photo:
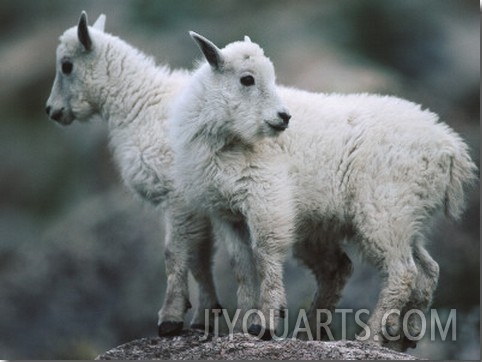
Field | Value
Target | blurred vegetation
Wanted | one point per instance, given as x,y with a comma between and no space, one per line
81,265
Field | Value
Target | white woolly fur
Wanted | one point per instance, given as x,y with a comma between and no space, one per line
100,75
374,169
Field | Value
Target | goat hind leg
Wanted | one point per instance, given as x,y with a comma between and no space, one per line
399,279
200,258
238,244
332,267
421,297
176,298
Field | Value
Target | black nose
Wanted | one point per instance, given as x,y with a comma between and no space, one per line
285,117
56,115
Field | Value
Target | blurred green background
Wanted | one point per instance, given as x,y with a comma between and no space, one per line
81,264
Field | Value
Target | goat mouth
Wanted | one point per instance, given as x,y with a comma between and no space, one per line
62,118
278,127
64,121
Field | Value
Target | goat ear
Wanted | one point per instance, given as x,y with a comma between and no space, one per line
247,39
100,23
211,52
83,32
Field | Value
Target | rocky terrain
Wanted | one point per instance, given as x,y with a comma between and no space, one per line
191,346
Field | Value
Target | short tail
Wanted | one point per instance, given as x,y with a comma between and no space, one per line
463,173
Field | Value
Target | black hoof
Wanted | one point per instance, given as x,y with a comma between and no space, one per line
166,329
260,332
407,343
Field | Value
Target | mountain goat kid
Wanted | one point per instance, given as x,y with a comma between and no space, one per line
100,75
373,169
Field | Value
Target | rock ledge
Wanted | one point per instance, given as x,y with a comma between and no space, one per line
191,345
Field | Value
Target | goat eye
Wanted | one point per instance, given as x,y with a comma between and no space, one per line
67,67
247,80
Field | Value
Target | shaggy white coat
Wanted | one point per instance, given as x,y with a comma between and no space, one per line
109,78
371,168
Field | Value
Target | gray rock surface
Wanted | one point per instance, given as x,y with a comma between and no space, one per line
191,345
